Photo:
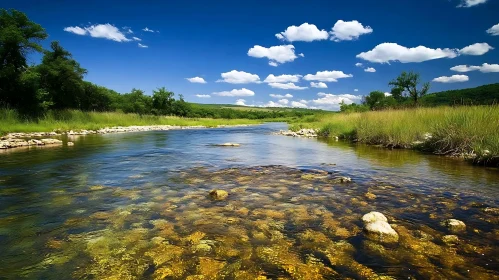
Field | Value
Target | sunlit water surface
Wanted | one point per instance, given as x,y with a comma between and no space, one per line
136,206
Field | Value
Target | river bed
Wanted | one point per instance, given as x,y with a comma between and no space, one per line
136,206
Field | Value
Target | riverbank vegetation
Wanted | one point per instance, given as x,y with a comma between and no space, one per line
471,131
66,120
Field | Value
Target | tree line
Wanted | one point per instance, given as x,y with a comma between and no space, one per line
57,83
407,91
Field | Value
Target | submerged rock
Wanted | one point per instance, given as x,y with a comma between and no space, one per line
450,239
377,227
454,225
381,231
343,179
70,144
228,145
219,194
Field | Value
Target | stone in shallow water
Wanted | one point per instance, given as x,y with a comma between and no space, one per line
228,145
219,194
450,239
374,217
381,231
454,225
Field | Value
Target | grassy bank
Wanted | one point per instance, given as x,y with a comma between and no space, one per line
11,121
472,131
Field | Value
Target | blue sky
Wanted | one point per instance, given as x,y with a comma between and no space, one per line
208,38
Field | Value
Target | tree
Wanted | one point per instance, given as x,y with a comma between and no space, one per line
136,102
377,100
409,82
62,78
162,101
18,37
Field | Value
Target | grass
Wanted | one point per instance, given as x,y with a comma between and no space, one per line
465,130
11,121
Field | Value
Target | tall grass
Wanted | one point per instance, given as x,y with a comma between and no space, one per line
444,130
12,121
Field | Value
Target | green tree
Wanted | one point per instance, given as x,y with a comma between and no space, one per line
409,82
181,108
136,102
62,77
18,37
377,100
162,101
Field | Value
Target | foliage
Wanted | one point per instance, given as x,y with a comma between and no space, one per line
408,82
18,37
482,95
472,130
351,108
377,100
65,120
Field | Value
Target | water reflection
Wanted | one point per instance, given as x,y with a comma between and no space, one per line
105,201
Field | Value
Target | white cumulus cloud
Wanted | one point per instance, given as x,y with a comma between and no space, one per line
282,78
318,85
356,89
241,102
330,101
305,32
370,69
327,76
386,52
203,95
276,54
358,64
239,77
142,46
452,79
287,95
136,39
494,30
283,101
76,30
476,49
471,3
235,92
348,30
106,31
286,86
273,63
485,68
299,104
198,80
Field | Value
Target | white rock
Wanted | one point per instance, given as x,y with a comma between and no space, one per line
381,231
454,225
374,216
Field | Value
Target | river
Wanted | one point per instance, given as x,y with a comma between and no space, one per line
136,206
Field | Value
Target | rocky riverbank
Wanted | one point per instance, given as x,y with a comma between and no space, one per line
304,132
32,139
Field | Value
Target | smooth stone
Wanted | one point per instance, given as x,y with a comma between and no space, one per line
381,231
450,239
374,216
71,144
219,194
229,145
454,225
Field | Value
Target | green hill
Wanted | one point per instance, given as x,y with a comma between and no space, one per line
482,95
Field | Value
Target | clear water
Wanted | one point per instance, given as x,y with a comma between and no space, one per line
136,206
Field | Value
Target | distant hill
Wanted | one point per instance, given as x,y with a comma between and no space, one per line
482,95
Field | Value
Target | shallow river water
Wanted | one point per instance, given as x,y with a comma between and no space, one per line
137,206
